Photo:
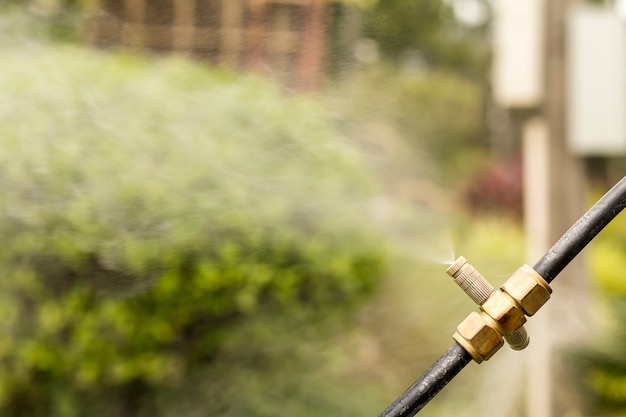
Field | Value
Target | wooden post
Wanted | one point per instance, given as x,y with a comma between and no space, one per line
134,23
311,58
255,51
183,29
282,43
231,32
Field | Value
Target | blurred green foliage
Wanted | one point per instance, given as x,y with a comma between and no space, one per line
603,364
186,242
429,30
148,208
437,114
431,84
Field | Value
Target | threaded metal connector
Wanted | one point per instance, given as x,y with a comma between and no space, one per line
501,312
519,339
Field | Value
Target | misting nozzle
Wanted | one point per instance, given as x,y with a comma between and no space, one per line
502,315
470,280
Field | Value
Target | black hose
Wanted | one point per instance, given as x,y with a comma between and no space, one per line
429,384
549,266
582,232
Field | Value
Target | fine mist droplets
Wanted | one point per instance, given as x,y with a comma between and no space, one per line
443,248
437,248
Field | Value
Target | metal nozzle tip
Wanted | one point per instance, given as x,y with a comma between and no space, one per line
518,340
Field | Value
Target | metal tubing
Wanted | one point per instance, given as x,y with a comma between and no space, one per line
582,232
429,384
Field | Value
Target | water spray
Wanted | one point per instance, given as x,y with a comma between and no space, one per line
504,311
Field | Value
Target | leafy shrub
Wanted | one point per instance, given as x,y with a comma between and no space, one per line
147,208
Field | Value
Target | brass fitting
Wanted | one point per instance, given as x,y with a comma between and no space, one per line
507,317
518,340
478,337
503,311
481,292
529,290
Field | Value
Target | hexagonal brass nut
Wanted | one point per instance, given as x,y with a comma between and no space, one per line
504,311
478,337
528,289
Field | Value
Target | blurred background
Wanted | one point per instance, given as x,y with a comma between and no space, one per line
247,207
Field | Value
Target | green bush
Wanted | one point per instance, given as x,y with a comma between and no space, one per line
148,207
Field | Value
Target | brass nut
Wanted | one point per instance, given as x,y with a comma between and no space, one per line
507,316
477,337
528,289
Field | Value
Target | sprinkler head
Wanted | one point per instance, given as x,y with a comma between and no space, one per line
502,311
470,280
